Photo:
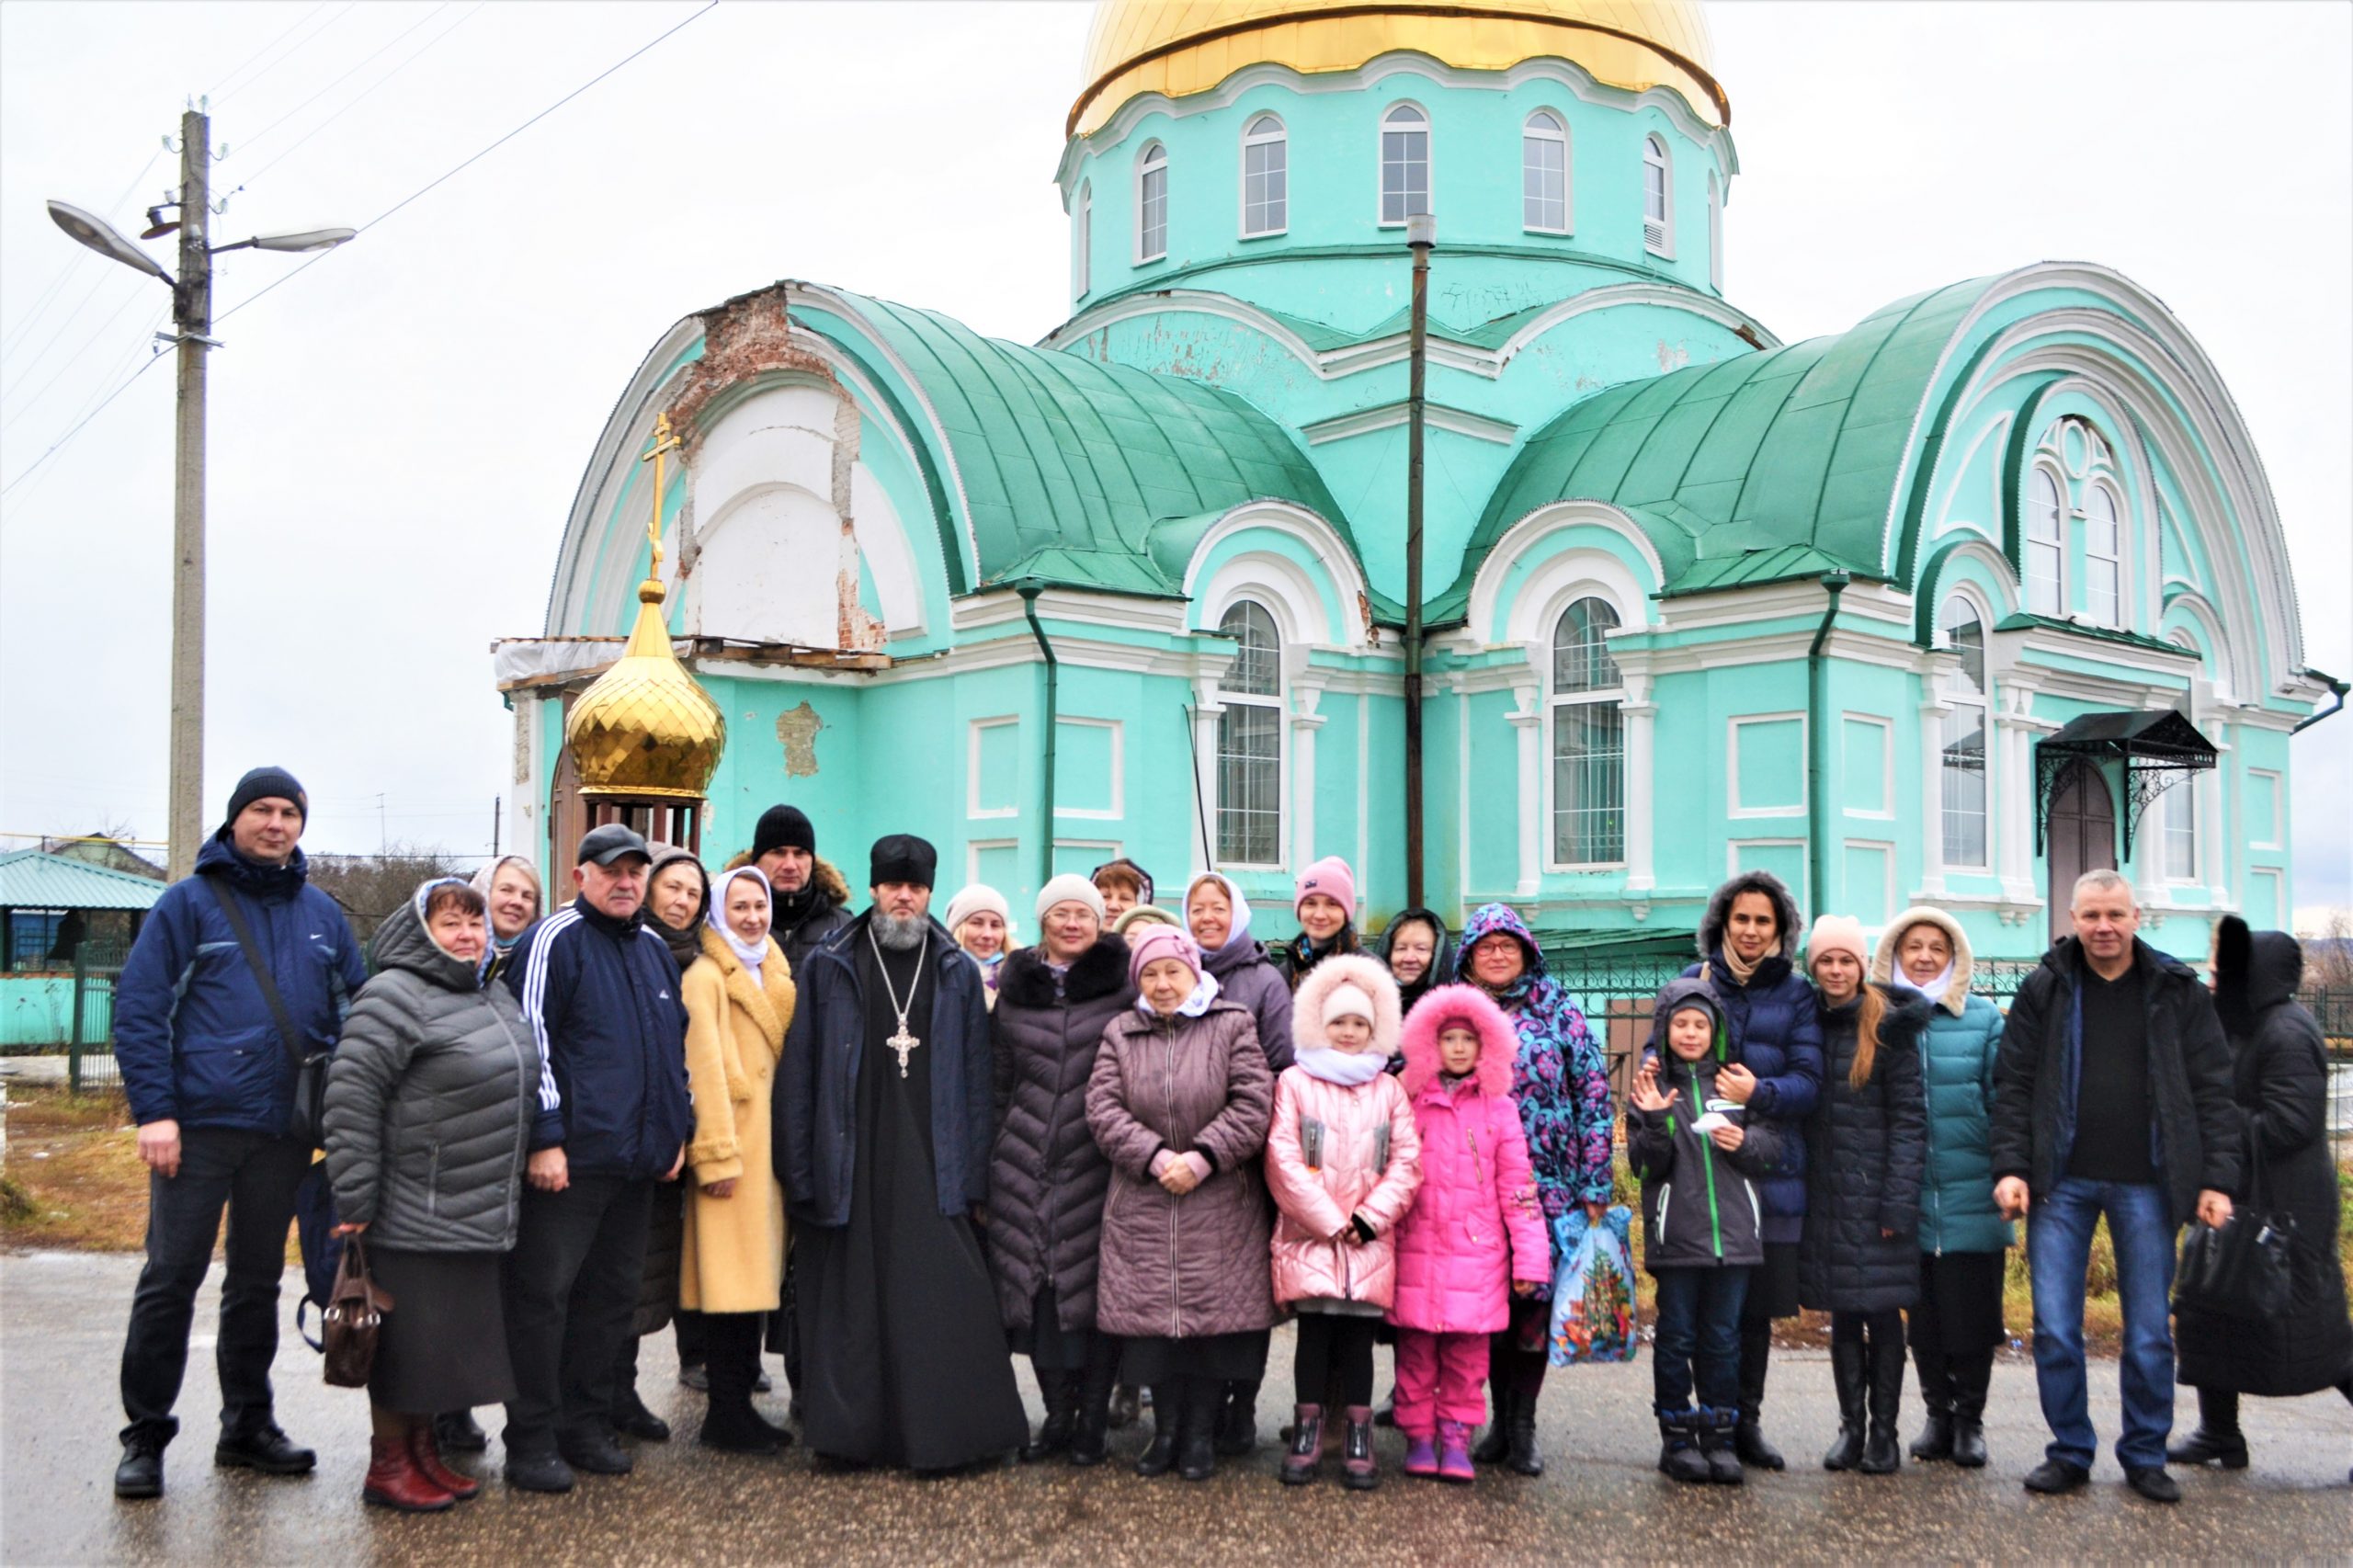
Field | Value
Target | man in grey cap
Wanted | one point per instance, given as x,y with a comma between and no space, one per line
600,992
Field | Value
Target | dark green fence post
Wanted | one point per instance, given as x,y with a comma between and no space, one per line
74,1048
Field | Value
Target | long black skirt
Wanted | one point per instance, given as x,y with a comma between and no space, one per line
1229,1358
1960,1309
443,1345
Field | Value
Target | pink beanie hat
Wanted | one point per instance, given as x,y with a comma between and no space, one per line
1836,934
1160,942
1331,877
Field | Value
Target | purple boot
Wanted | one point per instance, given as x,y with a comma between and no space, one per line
1359,1470
1454,1453
1421,1454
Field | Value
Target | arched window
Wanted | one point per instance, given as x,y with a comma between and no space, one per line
1964,748
1266,178
1152,204
1083,242
2181,811
2046,544
2103,556
1715,233
1405,163
1588,739
1250,740
1544,174
1658,199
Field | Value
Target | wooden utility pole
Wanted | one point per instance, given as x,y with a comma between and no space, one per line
192,327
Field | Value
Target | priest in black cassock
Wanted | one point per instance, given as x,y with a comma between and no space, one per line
882,1114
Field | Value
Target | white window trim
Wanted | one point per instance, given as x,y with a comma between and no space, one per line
1886,727
2055,471
974,810
1083,261
1982,700
2185,787
1118,808
1557,131
1554,701
1664,246
1885,849
1281,134
1715,233
2279,891
2099,480
1380,167
974,848
2278,783
1733,727
1271,600
1145,163
1735,861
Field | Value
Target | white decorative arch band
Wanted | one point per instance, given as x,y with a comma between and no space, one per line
1531,533
1323,544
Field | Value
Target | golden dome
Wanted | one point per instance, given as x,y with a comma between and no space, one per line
1179,47
645,727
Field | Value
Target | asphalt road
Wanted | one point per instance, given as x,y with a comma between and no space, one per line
61,1331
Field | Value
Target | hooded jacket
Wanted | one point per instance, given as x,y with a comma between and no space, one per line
1247,979
1441,955
1868,1147
1957,1051
1046,1177
1338,1154
1475,1225
1560,1078
1775,1033
195,1040
430,1098
2194,1125
601,998
1702,1206
806,918
2280,1091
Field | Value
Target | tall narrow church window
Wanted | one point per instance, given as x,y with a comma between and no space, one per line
1083,249
1658,228
1715,233
2181,830
2046,544
1250,741
1588,739
1965,739
1266,178
1405,163
1152,204
1544,174
2103,550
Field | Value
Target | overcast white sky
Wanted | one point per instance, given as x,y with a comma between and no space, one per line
397,435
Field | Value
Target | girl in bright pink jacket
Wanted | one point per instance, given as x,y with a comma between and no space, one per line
1475,1237
1342,1164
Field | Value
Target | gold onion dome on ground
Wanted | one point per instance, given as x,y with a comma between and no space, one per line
645,727
1179,47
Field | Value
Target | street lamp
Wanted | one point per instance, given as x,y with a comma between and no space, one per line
191,331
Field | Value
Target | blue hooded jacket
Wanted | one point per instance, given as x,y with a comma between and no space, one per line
194,1036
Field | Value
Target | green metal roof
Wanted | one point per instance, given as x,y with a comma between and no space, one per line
32,879
1067,463
1793,453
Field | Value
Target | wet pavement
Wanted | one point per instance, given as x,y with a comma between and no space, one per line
60,1332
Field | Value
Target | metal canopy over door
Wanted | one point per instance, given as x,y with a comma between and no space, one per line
2080,835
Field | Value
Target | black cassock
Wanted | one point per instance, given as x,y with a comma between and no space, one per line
904,1356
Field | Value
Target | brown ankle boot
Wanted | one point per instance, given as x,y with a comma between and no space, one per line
395,1481
426,1452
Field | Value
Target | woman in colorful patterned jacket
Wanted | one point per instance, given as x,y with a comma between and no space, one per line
1561,1082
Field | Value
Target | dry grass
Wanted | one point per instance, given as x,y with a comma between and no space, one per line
74,1177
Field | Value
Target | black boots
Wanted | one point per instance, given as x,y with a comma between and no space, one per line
1090,1439
1197,1430
141,1473
1935,1441
1850,1374
2218,1439
1237,1421
1973,1375
456,1432
1885,1357
730,1423
1680,1458
1062,1391
1716,1441
1520,1455
1492,1447
1159,1456
1749,1437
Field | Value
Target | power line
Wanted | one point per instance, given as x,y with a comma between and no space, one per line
360,96
58,445
316,33
265,49
65,269
372,58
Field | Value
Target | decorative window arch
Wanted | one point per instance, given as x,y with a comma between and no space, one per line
2077,481
1081,264
1966,838
1152,203
1250,739
1658,198
2045,546
1266,178
2103,554
1585,712
1715,233
1544,174
1405,163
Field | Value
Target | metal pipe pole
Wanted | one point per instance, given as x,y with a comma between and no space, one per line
1421,233
192,321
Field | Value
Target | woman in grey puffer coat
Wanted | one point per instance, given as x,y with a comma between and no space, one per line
428,1111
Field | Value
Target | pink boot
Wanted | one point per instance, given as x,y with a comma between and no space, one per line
1453,1452
1421,1454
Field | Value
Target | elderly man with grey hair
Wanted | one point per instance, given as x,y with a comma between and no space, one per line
2111,1096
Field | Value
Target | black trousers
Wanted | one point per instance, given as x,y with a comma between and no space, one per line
1335,1349
572,1284
253,1176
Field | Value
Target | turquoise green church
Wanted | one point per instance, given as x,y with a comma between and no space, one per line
1948,607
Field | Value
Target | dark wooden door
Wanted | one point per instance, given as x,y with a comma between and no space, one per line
2081,836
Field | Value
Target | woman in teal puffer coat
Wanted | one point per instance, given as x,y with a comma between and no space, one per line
1957,1325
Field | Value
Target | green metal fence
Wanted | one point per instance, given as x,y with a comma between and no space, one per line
89,1056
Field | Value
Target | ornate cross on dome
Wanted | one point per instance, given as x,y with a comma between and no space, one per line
664,442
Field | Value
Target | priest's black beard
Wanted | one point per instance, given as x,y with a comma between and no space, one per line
900,935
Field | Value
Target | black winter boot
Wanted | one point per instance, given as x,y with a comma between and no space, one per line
1520,1454
1492,1448
1849,1375
1973,1375
1197,1430
1748,1438
456,1432
1717,1442
1881,1456
730,1423
1061,1390
1090,1439
1237,1421
1935,1441
1680,1456
2218,1439
1159,1456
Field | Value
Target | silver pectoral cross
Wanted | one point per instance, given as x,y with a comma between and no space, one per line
902,1042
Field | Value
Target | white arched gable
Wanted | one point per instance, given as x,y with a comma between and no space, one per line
1309,621
1275,581
1988,555
2206,630
1533,606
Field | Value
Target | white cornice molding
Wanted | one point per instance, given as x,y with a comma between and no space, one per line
998,606
1389,415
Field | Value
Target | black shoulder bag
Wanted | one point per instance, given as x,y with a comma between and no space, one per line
2246,1269
306,1122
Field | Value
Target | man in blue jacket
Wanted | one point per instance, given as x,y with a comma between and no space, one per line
600,992
210,1084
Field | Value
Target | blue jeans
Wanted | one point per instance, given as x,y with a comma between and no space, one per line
2058,1251
1698,1338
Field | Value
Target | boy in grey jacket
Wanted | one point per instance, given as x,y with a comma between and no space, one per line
1702,1229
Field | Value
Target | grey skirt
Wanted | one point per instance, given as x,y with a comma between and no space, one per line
443,1345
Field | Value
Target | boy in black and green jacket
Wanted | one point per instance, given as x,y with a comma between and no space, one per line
1701,1228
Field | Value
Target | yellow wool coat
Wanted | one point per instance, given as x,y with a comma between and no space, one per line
733,1257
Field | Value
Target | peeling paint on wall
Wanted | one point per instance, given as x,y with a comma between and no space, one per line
797,729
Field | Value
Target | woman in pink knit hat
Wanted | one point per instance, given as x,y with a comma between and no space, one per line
1325,899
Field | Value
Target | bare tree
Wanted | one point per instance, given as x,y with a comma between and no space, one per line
370,887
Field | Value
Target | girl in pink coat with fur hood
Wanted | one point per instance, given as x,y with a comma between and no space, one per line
1342,1162
1475,1237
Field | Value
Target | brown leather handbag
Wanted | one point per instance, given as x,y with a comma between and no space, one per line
354,1315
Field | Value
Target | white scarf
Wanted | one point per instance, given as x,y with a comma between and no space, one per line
1933,990
1348,1069
1193,1006
749,954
